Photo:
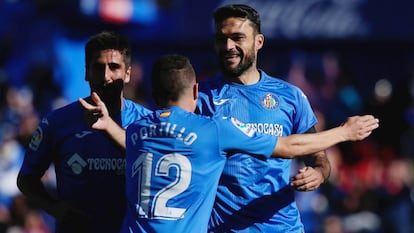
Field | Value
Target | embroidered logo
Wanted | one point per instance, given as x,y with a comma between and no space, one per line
83,134
220,102
270,101
77,163
242,127
36,139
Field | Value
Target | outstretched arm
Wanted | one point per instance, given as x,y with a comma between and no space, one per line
102,119
355,128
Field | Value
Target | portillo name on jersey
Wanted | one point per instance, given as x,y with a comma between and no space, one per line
165,130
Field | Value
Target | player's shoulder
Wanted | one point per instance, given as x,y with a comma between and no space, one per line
211,83
265,77
191,116
130,105
133,111
278,82
62,117
68,111
175,116
206,125
191,119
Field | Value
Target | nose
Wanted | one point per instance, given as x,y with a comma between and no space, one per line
230,44
107,75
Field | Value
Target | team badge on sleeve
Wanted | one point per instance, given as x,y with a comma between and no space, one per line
270,101
36,139
242,127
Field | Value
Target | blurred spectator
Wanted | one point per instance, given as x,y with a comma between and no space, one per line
11,151
35,223
46,92
339,94
11,157
406,142
395,197
18,120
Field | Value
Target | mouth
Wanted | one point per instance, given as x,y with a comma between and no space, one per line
231,58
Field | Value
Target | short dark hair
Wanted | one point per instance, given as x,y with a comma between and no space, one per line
107,40
171,75
239,11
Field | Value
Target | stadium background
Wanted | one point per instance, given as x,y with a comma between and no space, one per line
349,56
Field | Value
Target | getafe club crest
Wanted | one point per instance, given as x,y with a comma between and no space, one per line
270,101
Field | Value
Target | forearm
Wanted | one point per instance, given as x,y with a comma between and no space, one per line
117,133
320,162
66,212
304,144
315,173
33,188
353,129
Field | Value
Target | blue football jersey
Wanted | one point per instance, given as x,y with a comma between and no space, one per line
89,166
174,162
254,194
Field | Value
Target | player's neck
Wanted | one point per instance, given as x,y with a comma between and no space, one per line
249,77
187,104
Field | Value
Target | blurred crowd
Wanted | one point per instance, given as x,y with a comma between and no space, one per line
371,186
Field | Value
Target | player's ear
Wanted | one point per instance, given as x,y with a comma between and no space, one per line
127,75
195,91
259,41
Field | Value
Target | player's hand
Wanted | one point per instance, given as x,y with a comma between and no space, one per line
360,127
307,179
96,116
70,217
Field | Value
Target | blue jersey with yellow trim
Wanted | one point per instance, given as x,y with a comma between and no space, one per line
89,166
253,194
174,162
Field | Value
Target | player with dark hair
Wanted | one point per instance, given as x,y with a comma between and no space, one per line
89,166
256,195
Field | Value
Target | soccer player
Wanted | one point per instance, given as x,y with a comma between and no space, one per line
175,157
89,166
256,195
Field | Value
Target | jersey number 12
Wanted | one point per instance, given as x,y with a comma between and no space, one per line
142,168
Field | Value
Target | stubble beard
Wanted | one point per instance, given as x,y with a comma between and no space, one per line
246,62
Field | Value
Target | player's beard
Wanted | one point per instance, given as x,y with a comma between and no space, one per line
246,61
110,94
